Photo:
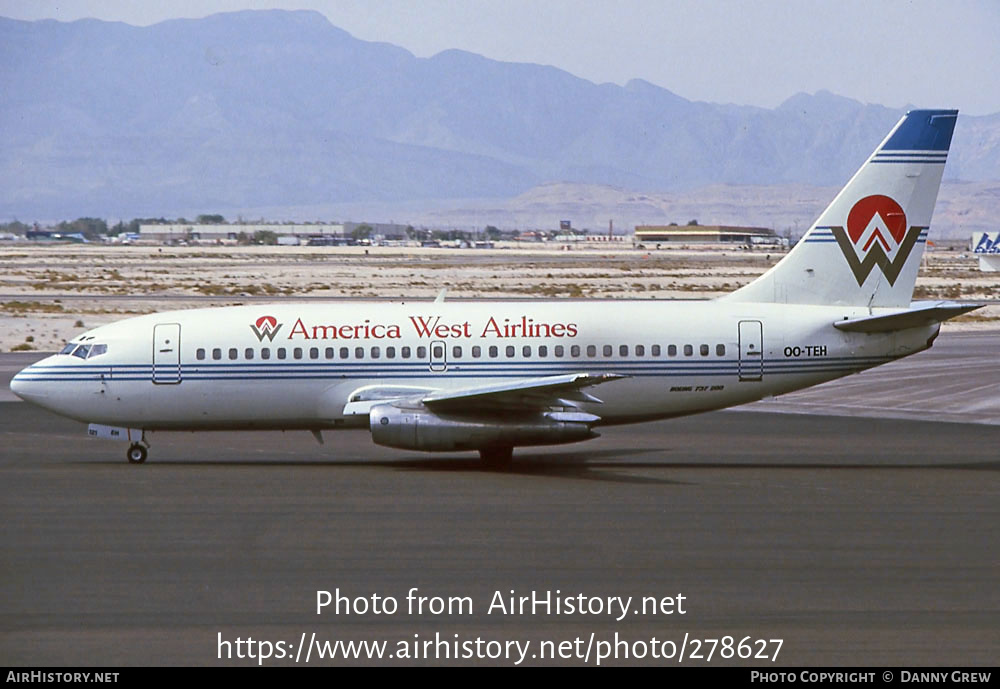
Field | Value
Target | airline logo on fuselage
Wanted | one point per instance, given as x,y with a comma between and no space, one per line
423,327
876,235
266,326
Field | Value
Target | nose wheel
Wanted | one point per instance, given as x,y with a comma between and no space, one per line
136,453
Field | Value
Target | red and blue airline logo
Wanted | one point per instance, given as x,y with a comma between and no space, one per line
876,235
266,326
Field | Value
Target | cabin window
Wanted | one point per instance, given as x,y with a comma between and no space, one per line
543,351
265,353
216,353
591,350
297,353
359,352
607,350
421,352
234,354
200,354
510,351
328,352
688,350
559,351
493,351
438,351
456,352
640,350
574,350
405,351
248,353
376,352
282,353
314,352
654,350
477,351
703,350
344,352
390,352
622,350
720,350
672,350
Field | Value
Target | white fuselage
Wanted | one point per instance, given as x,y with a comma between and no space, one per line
235,368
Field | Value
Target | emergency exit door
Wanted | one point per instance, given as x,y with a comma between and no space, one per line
438,356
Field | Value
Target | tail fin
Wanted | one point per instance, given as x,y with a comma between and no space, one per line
865,249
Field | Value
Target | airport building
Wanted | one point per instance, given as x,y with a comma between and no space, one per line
706,234
287,233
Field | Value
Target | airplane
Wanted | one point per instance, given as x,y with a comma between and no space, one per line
487,376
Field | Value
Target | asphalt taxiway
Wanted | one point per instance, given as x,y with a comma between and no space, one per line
857,540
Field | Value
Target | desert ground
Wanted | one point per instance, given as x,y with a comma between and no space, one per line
50,293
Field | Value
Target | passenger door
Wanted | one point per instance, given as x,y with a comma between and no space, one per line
751,351
167,353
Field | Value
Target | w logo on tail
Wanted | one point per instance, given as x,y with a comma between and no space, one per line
266,326
865,248
876,236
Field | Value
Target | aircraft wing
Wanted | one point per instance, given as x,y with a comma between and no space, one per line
531,393
525,394
919,313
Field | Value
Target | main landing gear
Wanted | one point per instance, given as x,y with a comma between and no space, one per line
497,457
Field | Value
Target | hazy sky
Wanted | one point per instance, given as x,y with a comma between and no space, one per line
894,52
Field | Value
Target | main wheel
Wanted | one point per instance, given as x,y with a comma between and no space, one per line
136,454
497,457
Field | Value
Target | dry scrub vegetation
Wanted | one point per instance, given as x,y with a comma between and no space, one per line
46,291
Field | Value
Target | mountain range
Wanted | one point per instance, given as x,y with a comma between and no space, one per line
282,110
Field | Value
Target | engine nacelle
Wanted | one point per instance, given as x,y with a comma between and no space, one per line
421,429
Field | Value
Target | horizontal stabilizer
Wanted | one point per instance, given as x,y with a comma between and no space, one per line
919,314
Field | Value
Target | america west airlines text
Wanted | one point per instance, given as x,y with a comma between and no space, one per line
433,327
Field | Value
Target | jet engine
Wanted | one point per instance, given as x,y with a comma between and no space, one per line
421,429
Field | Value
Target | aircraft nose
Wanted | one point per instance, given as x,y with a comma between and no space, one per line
25,386
19,385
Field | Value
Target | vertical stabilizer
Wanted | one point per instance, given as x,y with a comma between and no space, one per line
865,248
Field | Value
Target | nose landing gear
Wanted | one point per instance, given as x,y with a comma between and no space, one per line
136,453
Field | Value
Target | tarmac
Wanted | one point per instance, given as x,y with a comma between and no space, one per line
854,538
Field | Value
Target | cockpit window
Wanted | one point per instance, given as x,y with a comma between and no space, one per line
82,351
68,348
97,350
